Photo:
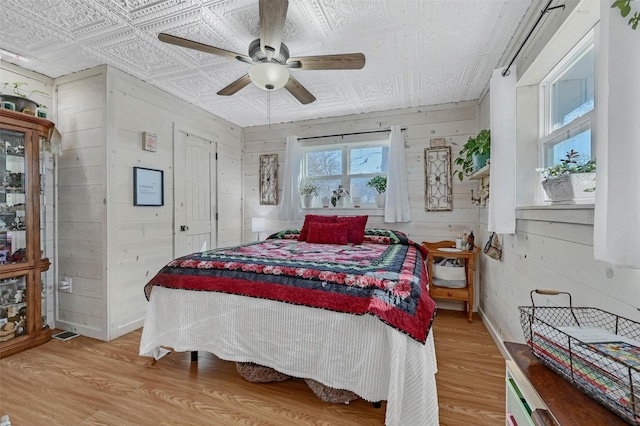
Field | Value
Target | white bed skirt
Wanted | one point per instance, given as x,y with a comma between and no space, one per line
357,353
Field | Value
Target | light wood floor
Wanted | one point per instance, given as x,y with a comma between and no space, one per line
88,382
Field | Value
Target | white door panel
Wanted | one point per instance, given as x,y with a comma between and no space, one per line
195,194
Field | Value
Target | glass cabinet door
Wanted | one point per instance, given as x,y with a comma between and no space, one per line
13,234
13,307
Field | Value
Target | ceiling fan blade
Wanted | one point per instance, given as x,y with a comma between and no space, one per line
235,86
345,61
298,91
272,16
190,44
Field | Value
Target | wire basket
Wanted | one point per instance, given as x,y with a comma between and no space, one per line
596,351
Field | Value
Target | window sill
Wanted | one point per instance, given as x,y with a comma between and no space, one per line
581,214
346,211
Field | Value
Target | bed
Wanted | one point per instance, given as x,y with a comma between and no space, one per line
352,314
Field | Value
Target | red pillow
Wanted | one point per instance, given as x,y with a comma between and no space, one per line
328,233
356,227
314,218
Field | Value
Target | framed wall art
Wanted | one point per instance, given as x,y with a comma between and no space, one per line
148,187
269,179
438,194
149,141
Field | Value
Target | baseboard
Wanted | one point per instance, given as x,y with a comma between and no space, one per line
495,335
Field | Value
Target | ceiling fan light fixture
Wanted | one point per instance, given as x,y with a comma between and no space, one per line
269,76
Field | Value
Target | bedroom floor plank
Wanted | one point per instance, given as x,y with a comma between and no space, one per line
84,381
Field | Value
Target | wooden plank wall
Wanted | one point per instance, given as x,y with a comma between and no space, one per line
454,122
82,195
109,247
141,238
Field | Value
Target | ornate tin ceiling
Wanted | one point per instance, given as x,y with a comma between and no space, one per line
418,52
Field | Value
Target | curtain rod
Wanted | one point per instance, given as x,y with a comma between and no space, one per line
349,134
545,10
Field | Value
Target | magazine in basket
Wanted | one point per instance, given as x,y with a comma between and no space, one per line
595,350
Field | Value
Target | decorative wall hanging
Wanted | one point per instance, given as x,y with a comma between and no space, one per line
438,179
269,179
149,142
148,187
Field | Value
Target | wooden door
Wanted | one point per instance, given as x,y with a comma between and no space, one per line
195,194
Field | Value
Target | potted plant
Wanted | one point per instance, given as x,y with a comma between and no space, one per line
474,154
338,196
379,183
20,99
573,180
308,190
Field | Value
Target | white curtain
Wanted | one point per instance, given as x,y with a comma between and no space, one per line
290,209
502,178
397,207
617,224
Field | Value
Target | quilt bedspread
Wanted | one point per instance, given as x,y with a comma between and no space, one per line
385,276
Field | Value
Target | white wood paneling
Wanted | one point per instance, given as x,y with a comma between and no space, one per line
455,123
109,247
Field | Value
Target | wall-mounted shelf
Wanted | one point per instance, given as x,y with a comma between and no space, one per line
480,173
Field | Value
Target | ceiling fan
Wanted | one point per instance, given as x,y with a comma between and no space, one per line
269,57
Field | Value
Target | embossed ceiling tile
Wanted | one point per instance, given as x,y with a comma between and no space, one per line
198,27
130,53
137,11
418,52
41,39
347,14
75,17
238,17
71,59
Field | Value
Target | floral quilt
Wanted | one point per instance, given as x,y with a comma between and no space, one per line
385,276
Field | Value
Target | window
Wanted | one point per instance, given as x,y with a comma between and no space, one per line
568,110
350,165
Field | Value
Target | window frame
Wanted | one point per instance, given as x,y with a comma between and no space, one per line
345,148
585,122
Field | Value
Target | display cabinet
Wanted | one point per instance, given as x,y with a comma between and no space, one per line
22,316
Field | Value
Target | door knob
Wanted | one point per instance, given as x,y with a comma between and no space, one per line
184,228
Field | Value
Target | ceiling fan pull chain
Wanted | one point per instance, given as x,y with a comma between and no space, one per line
269,108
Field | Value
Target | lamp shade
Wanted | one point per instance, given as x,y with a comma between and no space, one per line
269,76
258,224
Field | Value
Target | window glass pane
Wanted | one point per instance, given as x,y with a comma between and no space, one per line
554,152
369,160
326,186
359,188
324,163
572,94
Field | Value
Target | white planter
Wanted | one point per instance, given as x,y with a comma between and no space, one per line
381,200
307,201
340,203
573,188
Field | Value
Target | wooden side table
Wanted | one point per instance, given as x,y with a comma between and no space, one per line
465,294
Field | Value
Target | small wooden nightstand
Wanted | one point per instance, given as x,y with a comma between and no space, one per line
462,294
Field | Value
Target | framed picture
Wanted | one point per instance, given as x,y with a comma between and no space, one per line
148,187
269,179
149,141
438,194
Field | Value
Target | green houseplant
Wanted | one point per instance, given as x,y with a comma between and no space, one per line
573,180
21,98
625,9
474,154
379,183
